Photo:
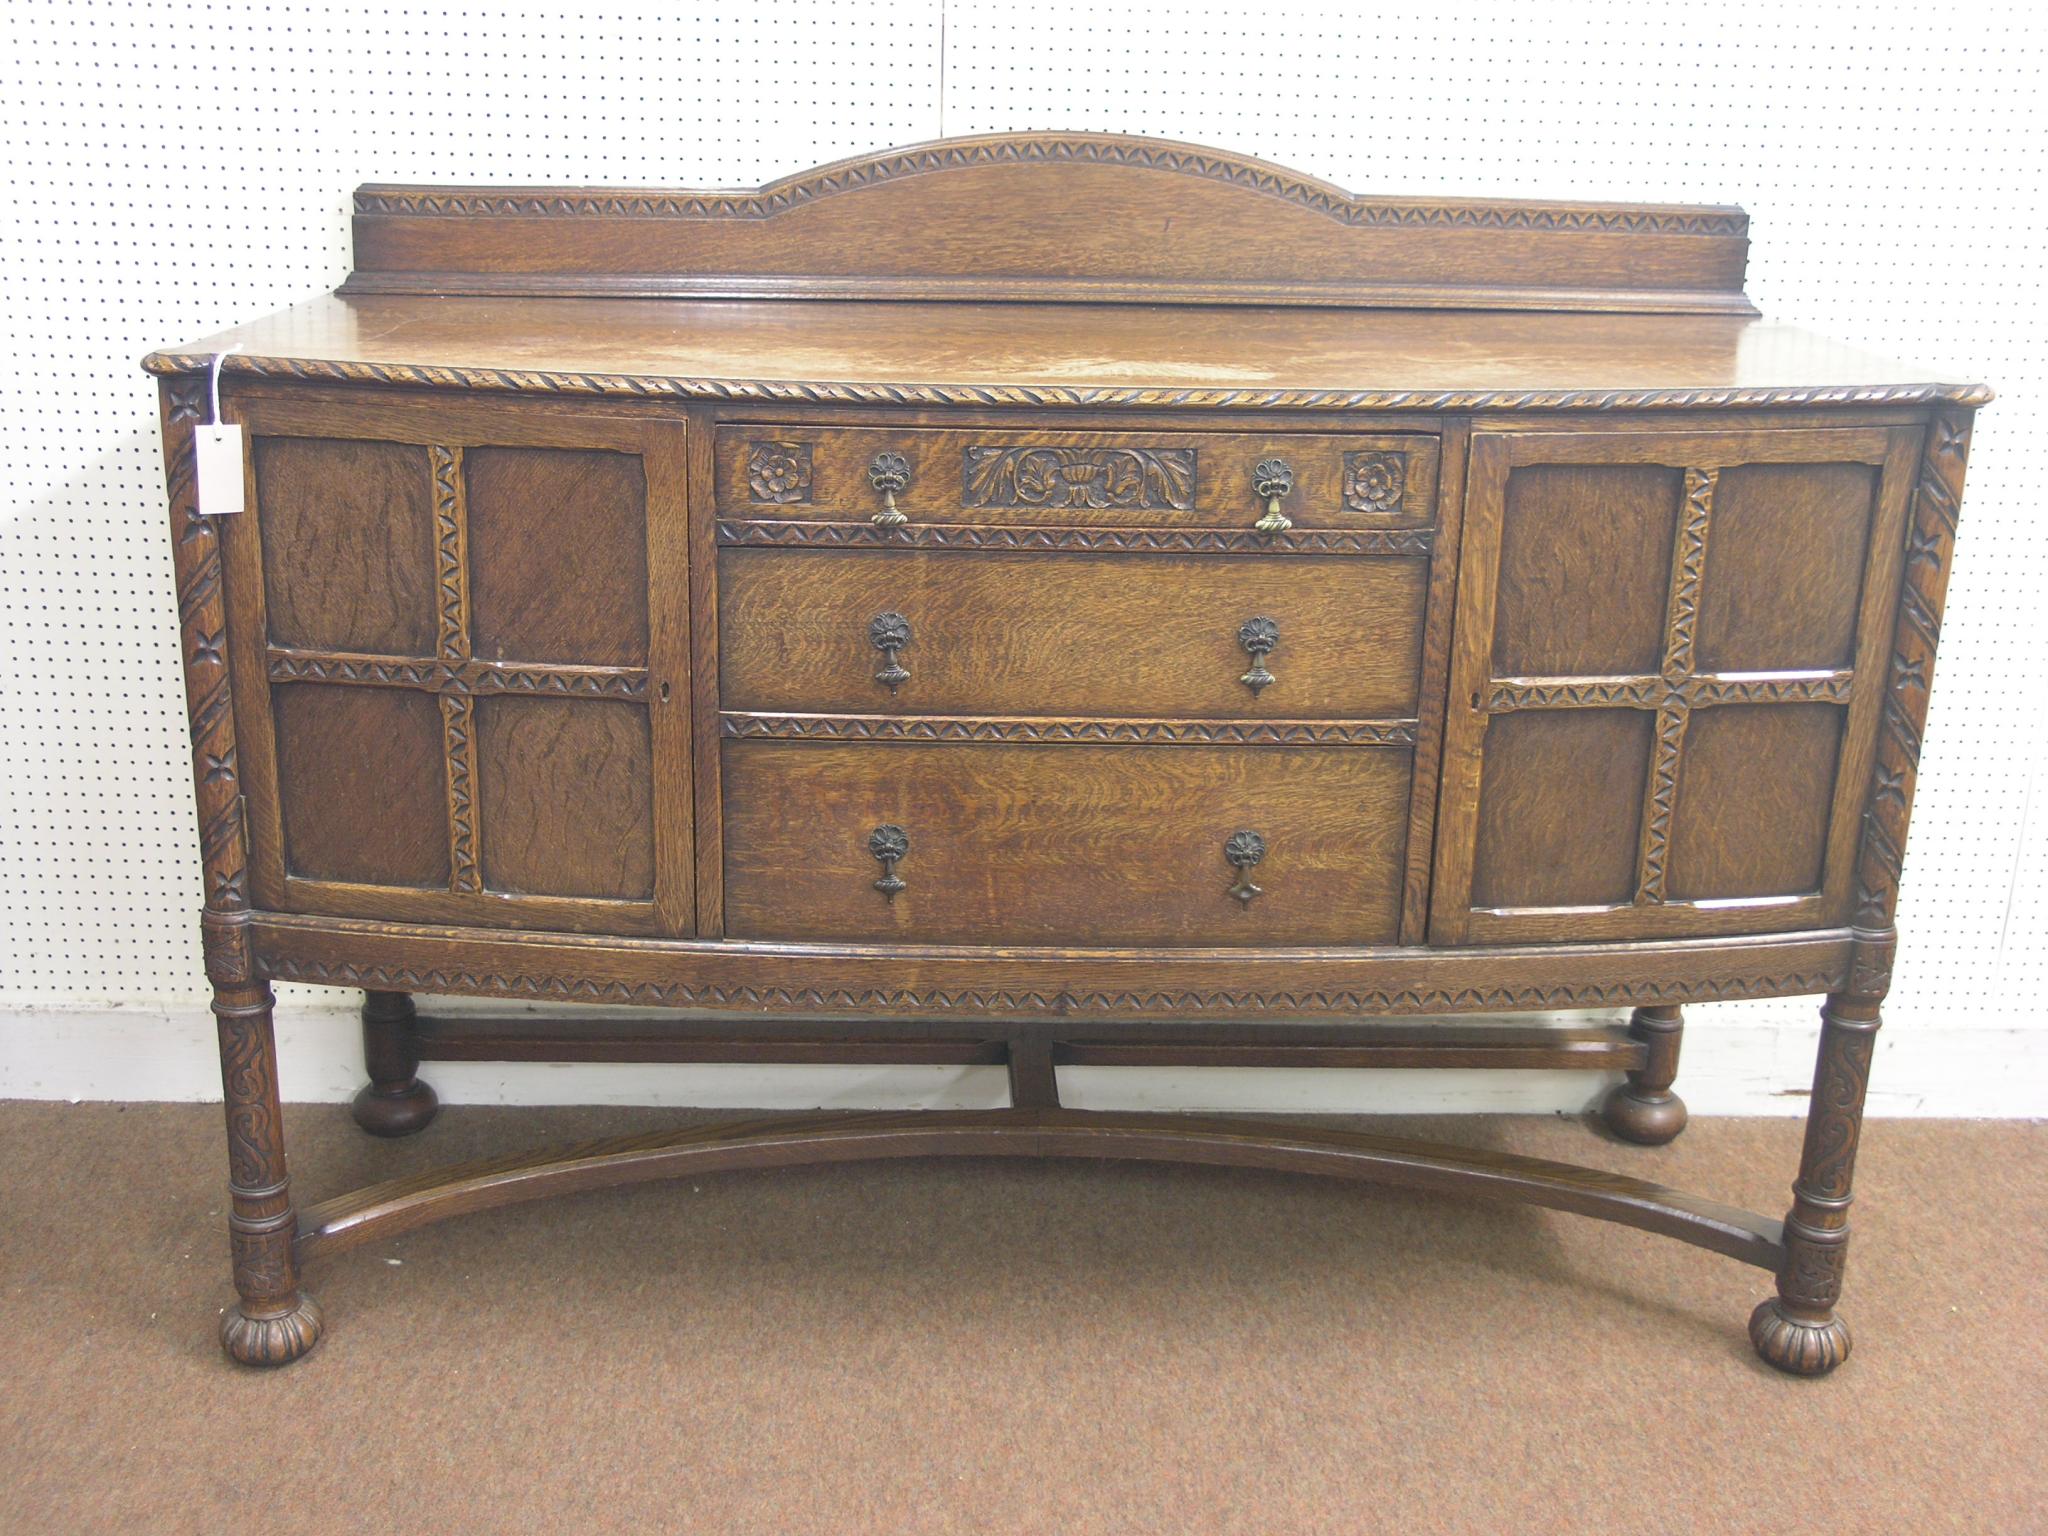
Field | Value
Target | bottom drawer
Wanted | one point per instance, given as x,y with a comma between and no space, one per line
1082,845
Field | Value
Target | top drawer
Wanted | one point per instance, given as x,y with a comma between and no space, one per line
1102,479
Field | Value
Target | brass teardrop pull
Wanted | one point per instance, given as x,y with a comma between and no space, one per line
889,473
890,633
1243,850
1258,637
889,843
1272,479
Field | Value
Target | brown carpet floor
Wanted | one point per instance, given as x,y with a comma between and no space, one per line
997,1347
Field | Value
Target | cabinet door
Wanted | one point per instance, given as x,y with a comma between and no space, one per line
1669,663
459,641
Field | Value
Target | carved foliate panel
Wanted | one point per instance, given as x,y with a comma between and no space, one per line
1161,479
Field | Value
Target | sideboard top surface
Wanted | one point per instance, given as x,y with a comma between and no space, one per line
866,352
1058,269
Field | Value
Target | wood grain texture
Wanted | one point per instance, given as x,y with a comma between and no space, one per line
1785,571
402,1205
1560,814
361,782
350,563
1095,217
1014,355
1751,817
1585,554
565,791
558,562
1063,634
1071,844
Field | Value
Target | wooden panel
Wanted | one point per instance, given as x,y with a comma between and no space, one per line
1561,811
1070,634
348,544
1069,844
1585,557
565,797
558,555
1785,566
1753,801
1813,520
1124,479
1075,217
361,785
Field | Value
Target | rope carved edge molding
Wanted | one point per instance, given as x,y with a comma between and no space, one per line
653,387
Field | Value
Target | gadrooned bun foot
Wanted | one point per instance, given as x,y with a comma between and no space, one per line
1649,1120
274,1340
404,1112
1797,1345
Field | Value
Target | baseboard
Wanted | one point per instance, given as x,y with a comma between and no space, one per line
1740,1067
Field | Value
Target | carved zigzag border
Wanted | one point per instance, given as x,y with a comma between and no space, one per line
1047,149
1049,1000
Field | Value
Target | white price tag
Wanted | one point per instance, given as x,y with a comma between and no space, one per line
217,460
217,455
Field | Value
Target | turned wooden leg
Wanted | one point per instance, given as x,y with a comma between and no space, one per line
272,1323
1644,1109
394,1102
1797,1330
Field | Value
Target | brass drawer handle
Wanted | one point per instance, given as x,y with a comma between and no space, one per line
889,473
888,844
1244,850
1258,637
1272,479
889,633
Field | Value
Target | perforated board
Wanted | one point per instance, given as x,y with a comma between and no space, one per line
174,170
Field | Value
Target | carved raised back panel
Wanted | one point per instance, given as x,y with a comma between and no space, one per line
1068,217
1669,676
460,661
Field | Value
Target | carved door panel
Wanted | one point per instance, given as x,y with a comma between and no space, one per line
1669,664
459,642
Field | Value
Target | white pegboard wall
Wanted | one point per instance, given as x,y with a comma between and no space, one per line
177,169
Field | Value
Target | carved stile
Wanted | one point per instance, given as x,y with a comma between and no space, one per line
273,1322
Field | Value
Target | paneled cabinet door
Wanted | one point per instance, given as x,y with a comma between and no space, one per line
1671,654
459,637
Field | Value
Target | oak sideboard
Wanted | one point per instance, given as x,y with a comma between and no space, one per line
1048,600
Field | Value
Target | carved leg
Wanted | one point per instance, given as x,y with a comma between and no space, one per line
1797,1330
273,1323
1644,1109
394,1102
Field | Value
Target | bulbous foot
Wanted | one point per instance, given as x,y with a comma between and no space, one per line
400,1112
1795,1344
276,1340
1648,1119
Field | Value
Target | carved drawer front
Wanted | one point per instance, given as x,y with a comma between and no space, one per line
1671,659
456,660
1071,844
933,632
854,485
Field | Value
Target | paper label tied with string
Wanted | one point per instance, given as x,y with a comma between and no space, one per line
217,457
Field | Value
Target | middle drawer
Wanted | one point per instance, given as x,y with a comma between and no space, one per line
1119,636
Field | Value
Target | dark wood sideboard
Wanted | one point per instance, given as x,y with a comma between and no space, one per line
1053,599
